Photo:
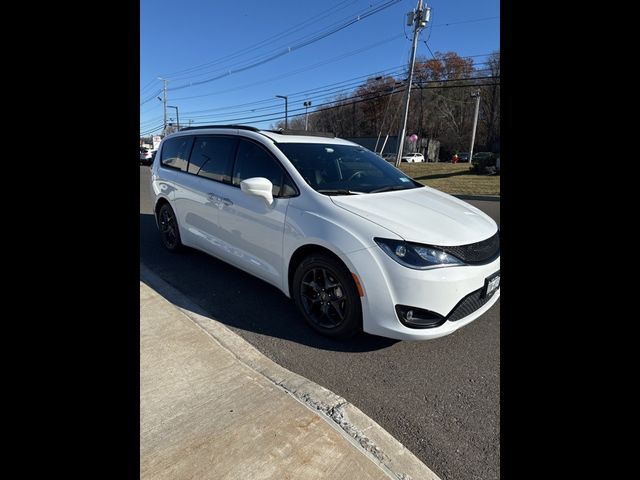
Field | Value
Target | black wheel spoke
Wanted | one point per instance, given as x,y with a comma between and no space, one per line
336,306
325,278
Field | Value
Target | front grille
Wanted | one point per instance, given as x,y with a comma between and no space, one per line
469,304
477,253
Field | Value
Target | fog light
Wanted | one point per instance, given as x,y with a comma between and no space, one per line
413,317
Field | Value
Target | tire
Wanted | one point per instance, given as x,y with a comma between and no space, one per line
328,301
168,228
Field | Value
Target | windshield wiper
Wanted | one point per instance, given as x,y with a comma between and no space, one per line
339,191
389,188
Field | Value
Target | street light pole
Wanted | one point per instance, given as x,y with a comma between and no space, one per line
306,115
177,116
286,109
475,122
419,19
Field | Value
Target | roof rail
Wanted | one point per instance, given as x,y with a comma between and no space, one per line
238,127
282,131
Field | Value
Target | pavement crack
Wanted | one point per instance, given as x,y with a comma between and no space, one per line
336,413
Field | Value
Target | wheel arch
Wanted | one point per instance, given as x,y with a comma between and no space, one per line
303,252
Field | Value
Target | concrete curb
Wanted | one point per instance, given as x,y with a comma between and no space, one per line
361,430
491,198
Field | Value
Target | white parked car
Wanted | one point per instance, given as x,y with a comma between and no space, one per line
146,156
355,242
413,157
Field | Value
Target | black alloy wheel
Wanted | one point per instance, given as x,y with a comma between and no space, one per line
326,294
169,233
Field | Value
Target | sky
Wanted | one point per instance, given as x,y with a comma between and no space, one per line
208,51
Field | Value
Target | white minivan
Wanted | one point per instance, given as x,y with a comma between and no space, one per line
356,243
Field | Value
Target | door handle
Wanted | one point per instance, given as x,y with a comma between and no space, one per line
227,202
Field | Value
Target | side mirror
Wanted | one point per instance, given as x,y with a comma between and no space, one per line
258,187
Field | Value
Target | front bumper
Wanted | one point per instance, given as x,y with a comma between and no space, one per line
441,290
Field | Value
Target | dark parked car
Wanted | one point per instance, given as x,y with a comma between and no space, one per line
484,162
463,157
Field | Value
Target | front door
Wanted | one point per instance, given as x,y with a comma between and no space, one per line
251,230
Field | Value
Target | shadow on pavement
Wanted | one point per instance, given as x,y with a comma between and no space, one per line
238,299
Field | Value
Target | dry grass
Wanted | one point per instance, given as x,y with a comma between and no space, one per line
453,178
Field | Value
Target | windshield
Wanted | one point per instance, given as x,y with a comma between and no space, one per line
344,169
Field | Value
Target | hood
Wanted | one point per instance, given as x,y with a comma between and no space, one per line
422,215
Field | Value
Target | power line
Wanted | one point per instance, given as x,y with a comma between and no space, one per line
294,29
316,38
332,105
466,21
368,97
252,47
148,85
151,97
287,48
313,93
320,94
148,131
305,69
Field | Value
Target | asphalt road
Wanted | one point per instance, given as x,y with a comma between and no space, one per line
440,398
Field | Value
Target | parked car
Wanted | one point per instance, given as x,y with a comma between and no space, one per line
146,156
413,157
484,162
357,244
463,157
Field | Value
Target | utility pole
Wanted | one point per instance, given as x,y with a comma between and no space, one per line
286,110
306,115
164,101
418,18
475,122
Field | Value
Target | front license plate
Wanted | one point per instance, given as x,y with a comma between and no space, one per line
491,284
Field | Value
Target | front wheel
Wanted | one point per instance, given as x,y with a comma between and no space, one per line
326,294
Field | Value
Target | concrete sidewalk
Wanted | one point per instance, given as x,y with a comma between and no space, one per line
206,413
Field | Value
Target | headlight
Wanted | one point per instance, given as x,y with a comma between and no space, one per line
416,256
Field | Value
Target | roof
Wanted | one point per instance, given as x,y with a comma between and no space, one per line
285,136
295,138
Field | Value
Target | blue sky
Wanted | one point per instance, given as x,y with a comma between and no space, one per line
196,40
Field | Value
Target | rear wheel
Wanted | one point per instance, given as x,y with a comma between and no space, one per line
326,294
168,225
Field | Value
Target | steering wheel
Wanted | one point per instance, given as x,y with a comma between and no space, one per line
359,172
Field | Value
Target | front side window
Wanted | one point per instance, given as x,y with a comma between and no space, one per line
344,169
212,157
254,161
175,152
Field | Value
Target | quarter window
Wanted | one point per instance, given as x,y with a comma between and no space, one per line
175,152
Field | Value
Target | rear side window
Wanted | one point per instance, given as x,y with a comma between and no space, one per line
253,161
175,152
212,157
